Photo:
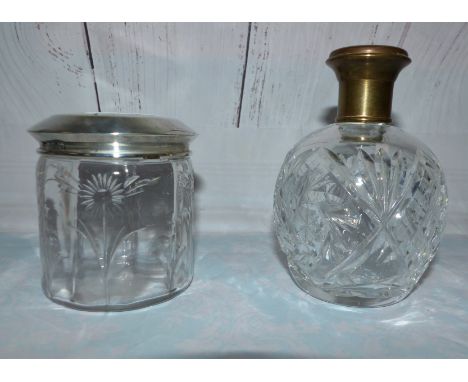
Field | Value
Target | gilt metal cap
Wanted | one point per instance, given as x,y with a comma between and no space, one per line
112,135
366,74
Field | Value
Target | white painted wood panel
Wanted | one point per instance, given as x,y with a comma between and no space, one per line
236,171
44,69
431,93
195,72
190,71
289,87
287,83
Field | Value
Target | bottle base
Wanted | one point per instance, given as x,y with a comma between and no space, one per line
354,297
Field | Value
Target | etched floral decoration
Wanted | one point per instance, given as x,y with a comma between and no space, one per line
106,211
102,193
104,197
115,232
114,194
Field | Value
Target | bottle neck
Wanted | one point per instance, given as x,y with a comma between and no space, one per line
362,132
365,100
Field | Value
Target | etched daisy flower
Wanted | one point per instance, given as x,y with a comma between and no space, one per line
101,192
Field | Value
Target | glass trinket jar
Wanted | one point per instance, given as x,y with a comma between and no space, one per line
115,209
360,205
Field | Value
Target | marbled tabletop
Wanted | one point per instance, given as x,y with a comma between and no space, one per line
242,304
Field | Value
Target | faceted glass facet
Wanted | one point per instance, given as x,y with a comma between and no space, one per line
115,234
359,210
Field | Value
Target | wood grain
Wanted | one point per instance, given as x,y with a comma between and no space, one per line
44,69
289,87
192,72
287,82
431,92
274,86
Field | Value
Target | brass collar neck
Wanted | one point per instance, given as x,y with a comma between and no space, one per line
366,74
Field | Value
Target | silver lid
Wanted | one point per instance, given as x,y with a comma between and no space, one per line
112,135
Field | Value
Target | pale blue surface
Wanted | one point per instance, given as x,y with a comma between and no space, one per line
242,303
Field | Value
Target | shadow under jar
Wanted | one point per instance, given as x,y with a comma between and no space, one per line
115,209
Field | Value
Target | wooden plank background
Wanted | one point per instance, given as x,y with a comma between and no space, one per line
251,90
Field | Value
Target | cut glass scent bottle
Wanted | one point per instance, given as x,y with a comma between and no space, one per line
360,205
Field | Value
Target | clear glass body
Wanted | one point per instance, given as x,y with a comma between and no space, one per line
359,210
115,234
